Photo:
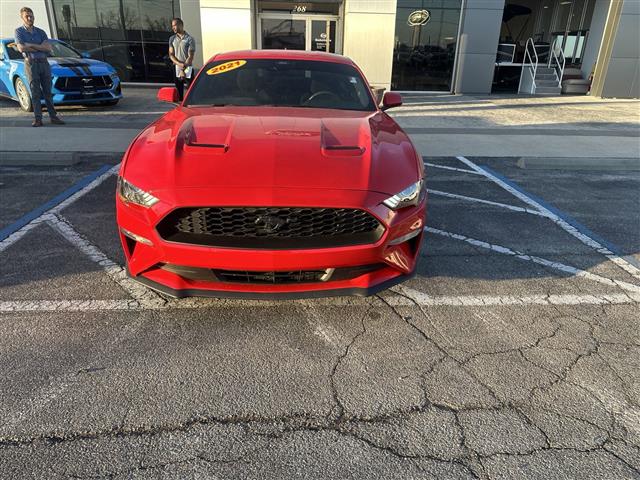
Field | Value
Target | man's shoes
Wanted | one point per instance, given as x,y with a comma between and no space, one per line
36,123
56,121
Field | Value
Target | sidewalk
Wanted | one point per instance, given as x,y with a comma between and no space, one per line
439,125
89,131
517,126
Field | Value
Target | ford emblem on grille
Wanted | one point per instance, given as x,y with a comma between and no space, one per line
271,223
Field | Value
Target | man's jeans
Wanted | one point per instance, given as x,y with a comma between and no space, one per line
39,75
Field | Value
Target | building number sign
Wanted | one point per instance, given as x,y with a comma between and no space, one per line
299,9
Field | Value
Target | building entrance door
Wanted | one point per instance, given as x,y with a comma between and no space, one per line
298,32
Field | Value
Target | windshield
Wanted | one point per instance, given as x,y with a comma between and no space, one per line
59,50
281,83
62,50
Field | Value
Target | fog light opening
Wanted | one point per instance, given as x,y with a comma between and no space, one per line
137,238
404,238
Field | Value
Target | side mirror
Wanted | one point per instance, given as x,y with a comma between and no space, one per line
390,100
168,94
85,55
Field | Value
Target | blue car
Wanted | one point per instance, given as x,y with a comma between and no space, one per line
76,79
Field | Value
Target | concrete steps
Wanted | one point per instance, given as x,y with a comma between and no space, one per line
547,82
549,91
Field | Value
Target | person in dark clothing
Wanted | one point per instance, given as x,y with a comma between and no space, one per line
182,47
33,43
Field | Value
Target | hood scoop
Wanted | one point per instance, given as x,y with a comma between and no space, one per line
206,134
338,138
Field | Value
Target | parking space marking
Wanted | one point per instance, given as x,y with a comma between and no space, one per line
40,210
68,305
118,274
539,260
425,299
408,297
56,205
443,167
487,202
578,232
146,299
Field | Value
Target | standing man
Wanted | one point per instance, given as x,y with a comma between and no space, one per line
33,43
182,47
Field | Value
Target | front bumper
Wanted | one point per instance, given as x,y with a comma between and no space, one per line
75,97
155,263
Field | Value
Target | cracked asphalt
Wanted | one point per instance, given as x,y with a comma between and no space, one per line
395,386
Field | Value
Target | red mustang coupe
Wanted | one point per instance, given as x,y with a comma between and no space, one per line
278,175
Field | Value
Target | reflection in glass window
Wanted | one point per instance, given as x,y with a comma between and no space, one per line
131,35
118,20
76,19
156,18
283,34
425,44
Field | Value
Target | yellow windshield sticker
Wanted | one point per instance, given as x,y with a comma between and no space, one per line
11,45
226,67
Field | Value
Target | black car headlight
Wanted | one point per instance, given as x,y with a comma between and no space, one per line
129,193
410,196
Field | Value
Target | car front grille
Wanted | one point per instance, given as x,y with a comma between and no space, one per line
273,278
71,84
270,227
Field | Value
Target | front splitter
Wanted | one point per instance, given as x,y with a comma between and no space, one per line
337,292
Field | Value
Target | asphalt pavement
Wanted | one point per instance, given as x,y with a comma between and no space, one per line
514,353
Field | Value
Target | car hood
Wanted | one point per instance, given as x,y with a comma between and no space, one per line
69,67
273,147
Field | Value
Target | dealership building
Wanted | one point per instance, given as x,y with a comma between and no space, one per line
455,46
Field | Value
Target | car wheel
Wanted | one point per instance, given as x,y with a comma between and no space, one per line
24,97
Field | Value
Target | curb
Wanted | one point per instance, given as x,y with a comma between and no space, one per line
40,159
579,163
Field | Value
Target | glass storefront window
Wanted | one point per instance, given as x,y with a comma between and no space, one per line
118,20
157,61
76,19
323,36
131,35
283,34
127,59
562,15
425,44
155,16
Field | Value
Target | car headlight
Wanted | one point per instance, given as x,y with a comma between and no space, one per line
131,194
410,196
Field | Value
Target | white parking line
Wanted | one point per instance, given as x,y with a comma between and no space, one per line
422,298
487,202
414,297
146,297
539,260
570,229
473,172
14,237
68,305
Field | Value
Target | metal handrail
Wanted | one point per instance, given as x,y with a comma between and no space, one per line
532,67
553,56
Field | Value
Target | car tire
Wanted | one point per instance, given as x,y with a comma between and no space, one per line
24,97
